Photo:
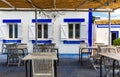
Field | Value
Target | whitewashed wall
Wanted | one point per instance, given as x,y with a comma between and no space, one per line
102,34
26,19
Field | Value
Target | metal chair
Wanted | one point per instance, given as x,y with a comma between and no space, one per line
13,57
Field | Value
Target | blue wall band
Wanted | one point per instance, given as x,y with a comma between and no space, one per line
42,20
11,41
11,20
73,41
42,41
106,26
74,20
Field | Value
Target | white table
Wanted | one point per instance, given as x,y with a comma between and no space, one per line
114,56
40,55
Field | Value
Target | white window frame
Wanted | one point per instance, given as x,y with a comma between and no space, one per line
73,31
13,30
42,24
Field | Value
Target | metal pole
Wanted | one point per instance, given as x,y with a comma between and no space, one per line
36,27
109,29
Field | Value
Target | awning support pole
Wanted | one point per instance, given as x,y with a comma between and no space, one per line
109,29
36,30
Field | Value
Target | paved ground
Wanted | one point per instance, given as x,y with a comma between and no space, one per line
68,67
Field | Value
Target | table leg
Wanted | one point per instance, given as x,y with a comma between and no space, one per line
26,71
30,68
101,66
55,69
113,67
79,54
81,58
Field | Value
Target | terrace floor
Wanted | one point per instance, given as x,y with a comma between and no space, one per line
68,67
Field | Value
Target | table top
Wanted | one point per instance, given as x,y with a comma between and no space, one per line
115,56
41,55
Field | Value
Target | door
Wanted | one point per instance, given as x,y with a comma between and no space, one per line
114,35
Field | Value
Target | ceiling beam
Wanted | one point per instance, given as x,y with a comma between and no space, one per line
49,10
33,5
54,4
85,2
9,4
102,4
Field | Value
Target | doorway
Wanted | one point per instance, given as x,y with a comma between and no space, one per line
114,35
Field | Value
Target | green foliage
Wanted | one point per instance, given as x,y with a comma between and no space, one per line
93,19
116,42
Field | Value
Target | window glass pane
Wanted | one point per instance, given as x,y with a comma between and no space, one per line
39,31
10,31
70,30
16,30
77,31
45,30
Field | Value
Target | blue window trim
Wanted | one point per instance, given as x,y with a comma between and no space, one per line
11,20
42,41
90,28
73,41
74,20
117,33
42,20
106,26
11,41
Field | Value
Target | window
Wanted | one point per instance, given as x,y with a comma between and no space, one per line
42,30
74,31
13,30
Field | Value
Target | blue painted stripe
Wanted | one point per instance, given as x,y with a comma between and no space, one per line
42,20
11,41
42,41
73,41
74,20
106,26
71,55
90,28
11,20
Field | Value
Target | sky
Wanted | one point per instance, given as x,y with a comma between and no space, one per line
104,15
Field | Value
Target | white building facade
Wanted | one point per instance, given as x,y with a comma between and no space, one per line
102,31
67,30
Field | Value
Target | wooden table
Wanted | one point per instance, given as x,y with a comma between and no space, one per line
88,52
114,56
40,55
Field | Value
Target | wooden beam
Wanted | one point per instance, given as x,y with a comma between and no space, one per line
85,2
9,4
54,4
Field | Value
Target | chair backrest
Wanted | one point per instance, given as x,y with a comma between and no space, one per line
42,68
83,44
109,49
44,47
118,49
100,46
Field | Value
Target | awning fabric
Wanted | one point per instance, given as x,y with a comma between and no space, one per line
112,21
59,4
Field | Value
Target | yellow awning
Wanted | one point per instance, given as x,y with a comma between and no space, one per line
112,21
59,4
